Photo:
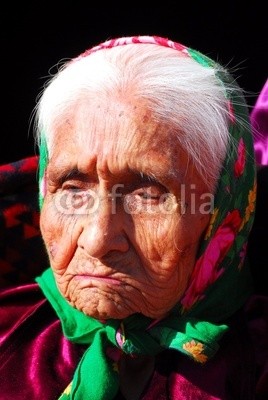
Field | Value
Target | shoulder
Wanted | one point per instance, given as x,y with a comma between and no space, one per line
256,311
32,346
17,304
239,370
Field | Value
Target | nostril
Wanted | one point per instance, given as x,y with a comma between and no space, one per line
98,239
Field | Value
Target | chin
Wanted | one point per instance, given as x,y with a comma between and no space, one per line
101,314
99,306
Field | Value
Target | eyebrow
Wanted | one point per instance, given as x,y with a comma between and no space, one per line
63,175
147,177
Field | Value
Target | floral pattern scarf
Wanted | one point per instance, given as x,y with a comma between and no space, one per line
219,285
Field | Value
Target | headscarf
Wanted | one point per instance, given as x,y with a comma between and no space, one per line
219,285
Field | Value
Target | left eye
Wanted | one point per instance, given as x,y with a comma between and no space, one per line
150,193
149,196
72,188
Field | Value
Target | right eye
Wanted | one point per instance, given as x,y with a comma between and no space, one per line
75,200
72,186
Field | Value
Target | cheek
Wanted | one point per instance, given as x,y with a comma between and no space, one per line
51,221
59,235
155,237
169,241
167,247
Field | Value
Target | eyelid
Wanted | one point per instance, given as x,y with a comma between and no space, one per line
72,181
73,185
150,188
72,175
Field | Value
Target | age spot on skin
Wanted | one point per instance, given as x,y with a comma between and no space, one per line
52,250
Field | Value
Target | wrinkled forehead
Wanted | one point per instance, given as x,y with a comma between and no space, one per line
121,133
107,119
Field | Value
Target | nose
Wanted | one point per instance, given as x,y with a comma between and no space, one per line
103,231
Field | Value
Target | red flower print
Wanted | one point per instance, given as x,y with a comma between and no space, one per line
241,159
207,268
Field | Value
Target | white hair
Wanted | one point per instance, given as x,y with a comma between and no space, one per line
180,92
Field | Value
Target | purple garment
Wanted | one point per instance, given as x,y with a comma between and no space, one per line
259,123
37,362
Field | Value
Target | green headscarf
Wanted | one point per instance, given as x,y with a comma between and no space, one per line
219,285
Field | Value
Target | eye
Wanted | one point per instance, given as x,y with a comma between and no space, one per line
75,198
146,199
72,187
149,193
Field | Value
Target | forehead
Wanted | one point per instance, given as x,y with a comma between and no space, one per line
117,136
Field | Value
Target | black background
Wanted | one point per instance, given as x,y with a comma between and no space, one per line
35,35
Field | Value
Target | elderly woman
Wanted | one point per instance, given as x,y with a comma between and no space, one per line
147,195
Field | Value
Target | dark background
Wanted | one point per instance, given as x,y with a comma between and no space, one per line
35,35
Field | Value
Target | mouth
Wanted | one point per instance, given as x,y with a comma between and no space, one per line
104,279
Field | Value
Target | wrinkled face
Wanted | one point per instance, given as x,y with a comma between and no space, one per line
123,214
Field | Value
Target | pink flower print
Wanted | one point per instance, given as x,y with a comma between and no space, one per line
207,268
241,159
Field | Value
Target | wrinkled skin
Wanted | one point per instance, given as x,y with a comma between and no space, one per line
118,219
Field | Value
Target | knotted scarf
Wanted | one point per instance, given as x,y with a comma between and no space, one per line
219,285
